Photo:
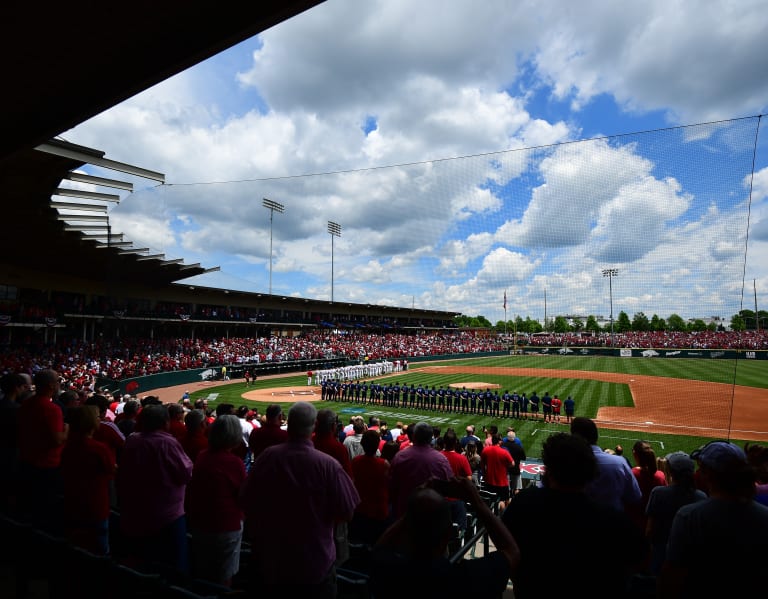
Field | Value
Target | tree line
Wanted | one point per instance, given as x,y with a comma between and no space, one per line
744,320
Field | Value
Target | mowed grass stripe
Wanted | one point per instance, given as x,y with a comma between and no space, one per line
589,394
751,373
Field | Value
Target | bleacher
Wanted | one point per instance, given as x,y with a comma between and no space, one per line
35,564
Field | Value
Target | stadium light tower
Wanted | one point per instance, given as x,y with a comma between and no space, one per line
610,273
335,230
271,206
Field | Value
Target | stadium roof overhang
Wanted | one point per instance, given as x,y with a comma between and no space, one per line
66,64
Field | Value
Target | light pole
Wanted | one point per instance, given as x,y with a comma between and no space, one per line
610,273
271,206
335,230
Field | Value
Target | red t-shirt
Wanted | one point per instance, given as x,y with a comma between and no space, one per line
496,462
334,448
212,494
459,463
39,420
87,466
178,429
370,476
194,443
266,436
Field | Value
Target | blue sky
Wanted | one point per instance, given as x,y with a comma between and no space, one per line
441,136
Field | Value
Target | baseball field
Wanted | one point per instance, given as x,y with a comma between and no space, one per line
674,404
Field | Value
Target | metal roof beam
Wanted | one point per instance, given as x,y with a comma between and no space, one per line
87,195
103,181
103,162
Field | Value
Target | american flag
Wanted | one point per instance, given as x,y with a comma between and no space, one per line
505,300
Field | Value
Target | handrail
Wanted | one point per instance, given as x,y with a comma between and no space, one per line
464,549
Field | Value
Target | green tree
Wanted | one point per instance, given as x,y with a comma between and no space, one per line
737,323
658,324
640,322
592,324
622,323
560,325
675,322
751,322
461,320
482,321
698,325
532,326
475,322
577,325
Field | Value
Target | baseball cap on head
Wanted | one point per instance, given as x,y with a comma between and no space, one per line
680,462
719,455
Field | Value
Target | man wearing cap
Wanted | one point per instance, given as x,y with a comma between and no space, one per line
718,547
665,501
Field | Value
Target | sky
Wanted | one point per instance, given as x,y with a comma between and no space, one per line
469,151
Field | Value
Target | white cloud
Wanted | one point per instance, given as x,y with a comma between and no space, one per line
450,79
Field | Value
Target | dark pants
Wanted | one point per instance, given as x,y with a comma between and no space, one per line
40,499
167,548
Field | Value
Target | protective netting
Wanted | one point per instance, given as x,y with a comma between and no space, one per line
668,209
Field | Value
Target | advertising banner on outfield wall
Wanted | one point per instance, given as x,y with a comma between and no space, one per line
625,352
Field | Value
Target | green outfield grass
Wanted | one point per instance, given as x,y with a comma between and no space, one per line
589,394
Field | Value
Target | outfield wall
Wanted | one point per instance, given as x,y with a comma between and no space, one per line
723,354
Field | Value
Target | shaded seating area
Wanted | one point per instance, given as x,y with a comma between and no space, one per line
35,564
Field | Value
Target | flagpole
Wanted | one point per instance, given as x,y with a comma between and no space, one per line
514,347
505,313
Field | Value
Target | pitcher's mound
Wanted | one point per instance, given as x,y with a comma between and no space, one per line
475,385
283,394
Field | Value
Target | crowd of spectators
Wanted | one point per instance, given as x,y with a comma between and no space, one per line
747,340
188,507
80,363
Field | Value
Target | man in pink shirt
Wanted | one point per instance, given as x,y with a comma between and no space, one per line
151,484
414,466
294,556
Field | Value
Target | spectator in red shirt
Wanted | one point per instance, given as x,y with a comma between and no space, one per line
42,435
196,438
270,433
107,432
215,517
496,462
88,469
326,439
178,428
372,515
